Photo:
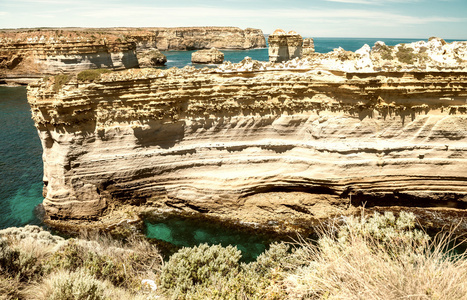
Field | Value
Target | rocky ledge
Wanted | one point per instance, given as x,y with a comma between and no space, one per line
255,141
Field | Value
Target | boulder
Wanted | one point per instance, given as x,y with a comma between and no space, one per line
151,58
211,56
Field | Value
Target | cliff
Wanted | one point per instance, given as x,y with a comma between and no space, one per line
42,52
254,141
66,50
192,38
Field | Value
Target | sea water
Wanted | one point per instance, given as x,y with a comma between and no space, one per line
180,59
20,160
21,163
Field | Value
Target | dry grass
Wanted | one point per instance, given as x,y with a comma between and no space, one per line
357,264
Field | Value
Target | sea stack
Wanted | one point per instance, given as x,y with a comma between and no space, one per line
211,56
308,47
151,58
284,46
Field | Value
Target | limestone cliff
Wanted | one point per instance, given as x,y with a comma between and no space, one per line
29,52
54,51
191,38
219,140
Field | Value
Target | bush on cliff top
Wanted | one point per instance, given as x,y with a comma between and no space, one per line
60,81
91,75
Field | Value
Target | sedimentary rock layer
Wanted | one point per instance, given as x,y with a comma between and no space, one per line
52,51
209,139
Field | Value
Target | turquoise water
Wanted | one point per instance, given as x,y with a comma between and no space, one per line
20,160
21,163
187,232
322,45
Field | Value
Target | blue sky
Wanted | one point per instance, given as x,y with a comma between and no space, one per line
313,18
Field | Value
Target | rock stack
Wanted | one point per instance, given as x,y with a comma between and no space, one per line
151,58
211,56
284,46
308,47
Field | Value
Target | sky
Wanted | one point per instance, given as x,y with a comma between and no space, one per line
310,18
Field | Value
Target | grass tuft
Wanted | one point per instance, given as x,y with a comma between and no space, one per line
91,75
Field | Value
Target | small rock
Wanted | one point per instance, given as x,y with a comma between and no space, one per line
211,56
151,58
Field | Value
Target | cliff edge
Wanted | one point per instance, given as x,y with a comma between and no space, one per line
35,52
254,141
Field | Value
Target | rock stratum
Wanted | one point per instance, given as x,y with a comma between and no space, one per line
257,141
36,52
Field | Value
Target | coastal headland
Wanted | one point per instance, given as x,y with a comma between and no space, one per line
28,54
263,142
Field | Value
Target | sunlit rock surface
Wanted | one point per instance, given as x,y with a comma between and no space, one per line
211,56
297,139
35,52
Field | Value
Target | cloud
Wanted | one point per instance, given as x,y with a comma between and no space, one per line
311,15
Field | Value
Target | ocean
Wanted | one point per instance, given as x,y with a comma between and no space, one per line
21,152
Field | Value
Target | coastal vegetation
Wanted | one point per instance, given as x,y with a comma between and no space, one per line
60,80
91,75
368,257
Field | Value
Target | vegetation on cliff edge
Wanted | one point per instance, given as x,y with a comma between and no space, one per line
370,257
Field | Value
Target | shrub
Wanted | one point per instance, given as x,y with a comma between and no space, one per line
91,75
60,81
73,286
9,288
23,259
109,260
386,52
381,257
198,266
405,55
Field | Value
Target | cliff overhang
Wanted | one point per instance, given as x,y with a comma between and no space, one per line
253,141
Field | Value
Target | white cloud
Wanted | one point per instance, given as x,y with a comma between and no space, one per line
205,13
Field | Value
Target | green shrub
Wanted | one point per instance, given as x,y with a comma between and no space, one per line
405,55
91,75
75,256
19,262
107,259
198,266
386,52
60,81
75,286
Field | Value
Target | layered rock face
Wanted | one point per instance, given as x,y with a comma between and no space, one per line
284,46
308,47
151,58
211,56
51,52
191,38
219,140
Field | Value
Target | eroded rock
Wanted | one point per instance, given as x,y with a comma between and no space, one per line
208,140
151,58
211,56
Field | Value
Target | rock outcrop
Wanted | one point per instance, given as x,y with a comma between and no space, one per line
308,47
284,46
211,56
249,140
27,53
151,58
192,38
35,52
